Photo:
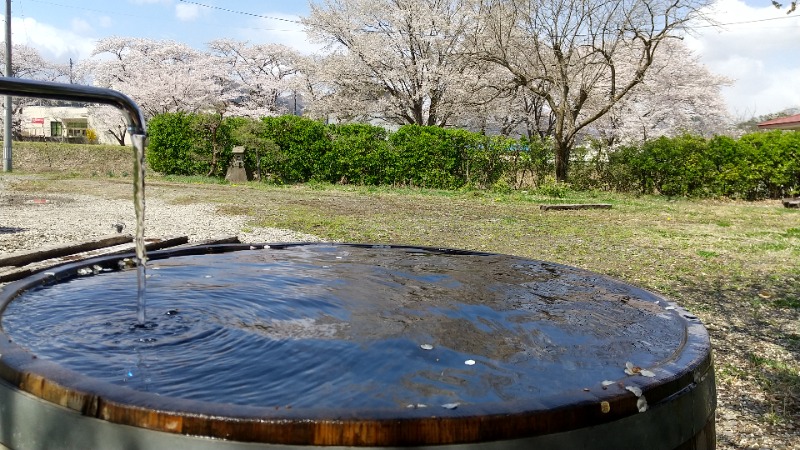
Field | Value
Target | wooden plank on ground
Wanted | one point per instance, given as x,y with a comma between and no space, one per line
568,207
30,256
791,202
9,274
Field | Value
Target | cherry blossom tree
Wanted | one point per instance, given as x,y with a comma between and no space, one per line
255,75
28,63
111,121
569,52
161,76
678,94
397,60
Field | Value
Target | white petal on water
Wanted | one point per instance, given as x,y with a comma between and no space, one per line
416,406
208,276
450,405
631,369
635,389
669,308
50,274
426,347
647,373
470,362
641,404
607,383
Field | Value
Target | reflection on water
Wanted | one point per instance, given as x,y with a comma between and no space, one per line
345,326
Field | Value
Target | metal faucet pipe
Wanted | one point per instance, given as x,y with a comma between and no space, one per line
18,87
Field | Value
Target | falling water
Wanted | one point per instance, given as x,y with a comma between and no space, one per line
138,200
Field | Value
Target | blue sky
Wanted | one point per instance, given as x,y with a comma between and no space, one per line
67,28
756,45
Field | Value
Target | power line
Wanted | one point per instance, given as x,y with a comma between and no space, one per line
241,12
745,22
117,13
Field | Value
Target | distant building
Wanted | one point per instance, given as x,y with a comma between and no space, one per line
66,123
782,123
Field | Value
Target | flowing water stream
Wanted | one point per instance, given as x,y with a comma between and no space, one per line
139,142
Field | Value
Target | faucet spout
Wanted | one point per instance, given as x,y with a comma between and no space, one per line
18,87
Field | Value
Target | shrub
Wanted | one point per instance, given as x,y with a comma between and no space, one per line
441,158
189,144
528,162
756,166
303,144
359,154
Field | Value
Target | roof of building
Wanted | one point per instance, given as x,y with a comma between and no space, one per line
782,123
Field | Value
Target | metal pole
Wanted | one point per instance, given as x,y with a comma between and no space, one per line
7,132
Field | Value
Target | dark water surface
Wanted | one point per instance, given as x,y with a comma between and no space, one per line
345,326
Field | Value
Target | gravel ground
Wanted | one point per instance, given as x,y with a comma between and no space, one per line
29,221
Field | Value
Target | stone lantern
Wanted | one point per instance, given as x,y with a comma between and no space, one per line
236,171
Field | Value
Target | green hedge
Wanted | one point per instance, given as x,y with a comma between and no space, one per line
445,158
293,149
358,154
290,149
756,166
189,144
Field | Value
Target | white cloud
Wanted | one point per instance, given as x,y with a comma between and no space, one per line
759,56
53,43
187,12
81,26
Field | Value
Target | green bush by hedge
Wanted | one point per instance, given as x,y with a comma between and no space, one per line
189,144
358,154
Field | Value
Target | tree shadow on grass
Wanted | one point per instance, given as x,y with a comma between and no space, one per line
755,329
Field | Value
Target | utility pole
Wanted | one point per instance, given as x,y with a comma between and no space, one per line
7,131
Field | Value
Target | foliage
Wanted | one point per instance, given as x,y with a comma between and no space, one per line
251,134
291,149
91,136
359,154
446,159
673,166
189,144
756,166
302,143
255,75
